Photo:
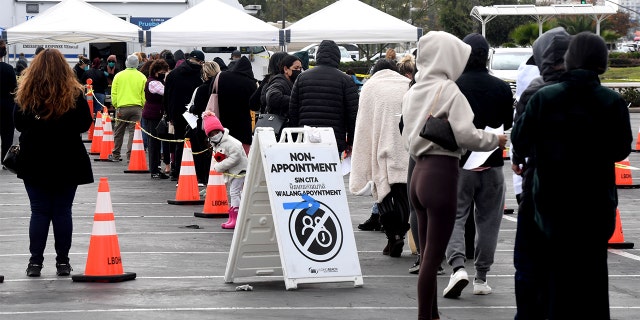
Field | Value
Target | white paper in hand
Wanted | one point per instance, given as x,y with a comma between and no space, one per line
191,118
477,158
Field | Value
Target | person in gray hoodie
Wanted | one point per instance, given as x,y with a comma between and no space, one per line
441,60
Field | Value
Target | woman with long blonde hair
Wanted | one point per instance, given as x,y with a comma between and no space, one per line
51,114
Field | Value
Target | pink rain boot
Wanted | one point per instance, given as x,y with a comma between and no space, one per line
233,216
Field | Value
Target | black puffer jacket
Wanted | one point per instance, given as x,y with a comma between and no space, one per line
324,96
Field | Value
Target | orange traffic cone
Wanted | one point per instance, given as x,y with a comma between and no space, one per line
617,239
106,146
138,161
104,263
637,149
187,192
624,179
216,203
97,135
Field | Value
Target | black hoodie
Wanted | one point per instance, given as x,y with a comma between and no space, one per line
235,87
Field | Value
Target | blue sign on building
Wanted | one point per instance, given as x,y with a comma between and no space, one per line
147,23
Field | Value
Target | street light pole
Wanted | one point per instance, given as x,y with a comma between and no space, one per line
283,26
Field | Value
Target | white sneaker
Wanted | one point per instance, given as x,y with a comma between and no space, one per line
458,281
481,287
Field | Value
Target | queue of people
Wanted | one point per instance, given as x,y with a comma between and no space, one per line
420,186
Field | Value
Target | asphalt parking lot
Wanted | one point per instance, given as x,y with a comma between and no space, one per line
180,262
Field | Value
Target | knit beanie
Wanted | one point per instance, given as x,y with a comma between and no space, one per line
211,123
132,61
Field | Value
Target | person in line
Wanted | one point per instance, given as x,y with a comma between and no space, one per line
377,164
179,86
112,69
230,159
81,67
99,83
278,91
8,86
434,182
21,64
480,189
235,56
258,98
552,129
152,114
390,55
530,251
235,87
179,57
50,103
199,144
324,96
128,97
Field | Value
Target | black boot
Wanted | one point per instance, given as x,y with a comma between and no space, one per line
372,224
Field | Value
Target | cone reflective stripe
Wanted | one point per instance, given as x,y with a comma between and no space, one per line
96,142
624,179
187,192
138,160
106,146
617,239
216,203
104,262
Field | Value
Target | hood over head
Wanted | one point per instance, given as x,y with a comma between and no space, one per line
243,66
479,51
549,49
441,55
587,51
328,54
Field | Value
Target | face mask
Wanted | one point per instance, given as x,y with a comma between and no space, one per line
111,64
295,74
217,137
86,68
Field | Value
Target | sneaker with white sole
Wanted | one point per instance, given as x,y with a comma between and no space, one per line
481,287
458,281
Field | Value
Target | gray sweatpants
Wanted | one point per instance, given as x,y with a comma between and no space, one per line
485,190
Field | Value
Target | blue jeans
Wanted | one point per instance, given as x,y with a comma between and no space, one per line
50,205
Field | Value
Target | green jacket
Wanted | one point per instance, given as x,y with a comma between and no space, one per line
127,88
574,185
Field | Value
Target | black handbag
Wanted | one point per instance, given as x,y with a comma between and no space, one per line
162,129
11,159
271,120
439,130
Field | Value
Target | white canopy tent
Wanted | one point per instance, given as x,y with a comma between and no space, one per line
542,13
74,21
213,23
336,22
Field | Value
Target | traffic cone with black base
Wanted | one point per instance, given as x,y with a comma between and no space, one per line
617,239
104,263
187,192
216,203
138,160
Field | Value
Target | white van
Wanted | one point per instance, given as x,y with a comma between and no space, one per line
258,55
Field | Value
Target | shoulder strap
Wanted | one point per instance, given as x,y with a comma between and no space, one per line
435,101
214,86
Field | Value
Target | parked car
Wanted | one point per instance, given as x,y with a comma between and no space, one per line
345,56
504,62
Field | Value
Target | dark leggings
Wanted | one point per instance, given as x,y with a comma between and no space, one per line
433,194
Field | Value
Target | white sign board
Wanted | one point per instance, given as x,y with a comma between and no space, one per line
307,209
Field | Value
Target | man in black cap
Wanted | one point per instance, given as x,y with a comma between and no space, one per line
235,56
179,87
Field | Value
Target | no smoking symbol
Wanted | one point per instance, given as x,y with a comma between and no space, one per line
314,229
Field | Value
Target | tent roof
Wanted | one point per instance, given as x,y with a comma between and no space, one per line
337,22
532,10
73,21
213,23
